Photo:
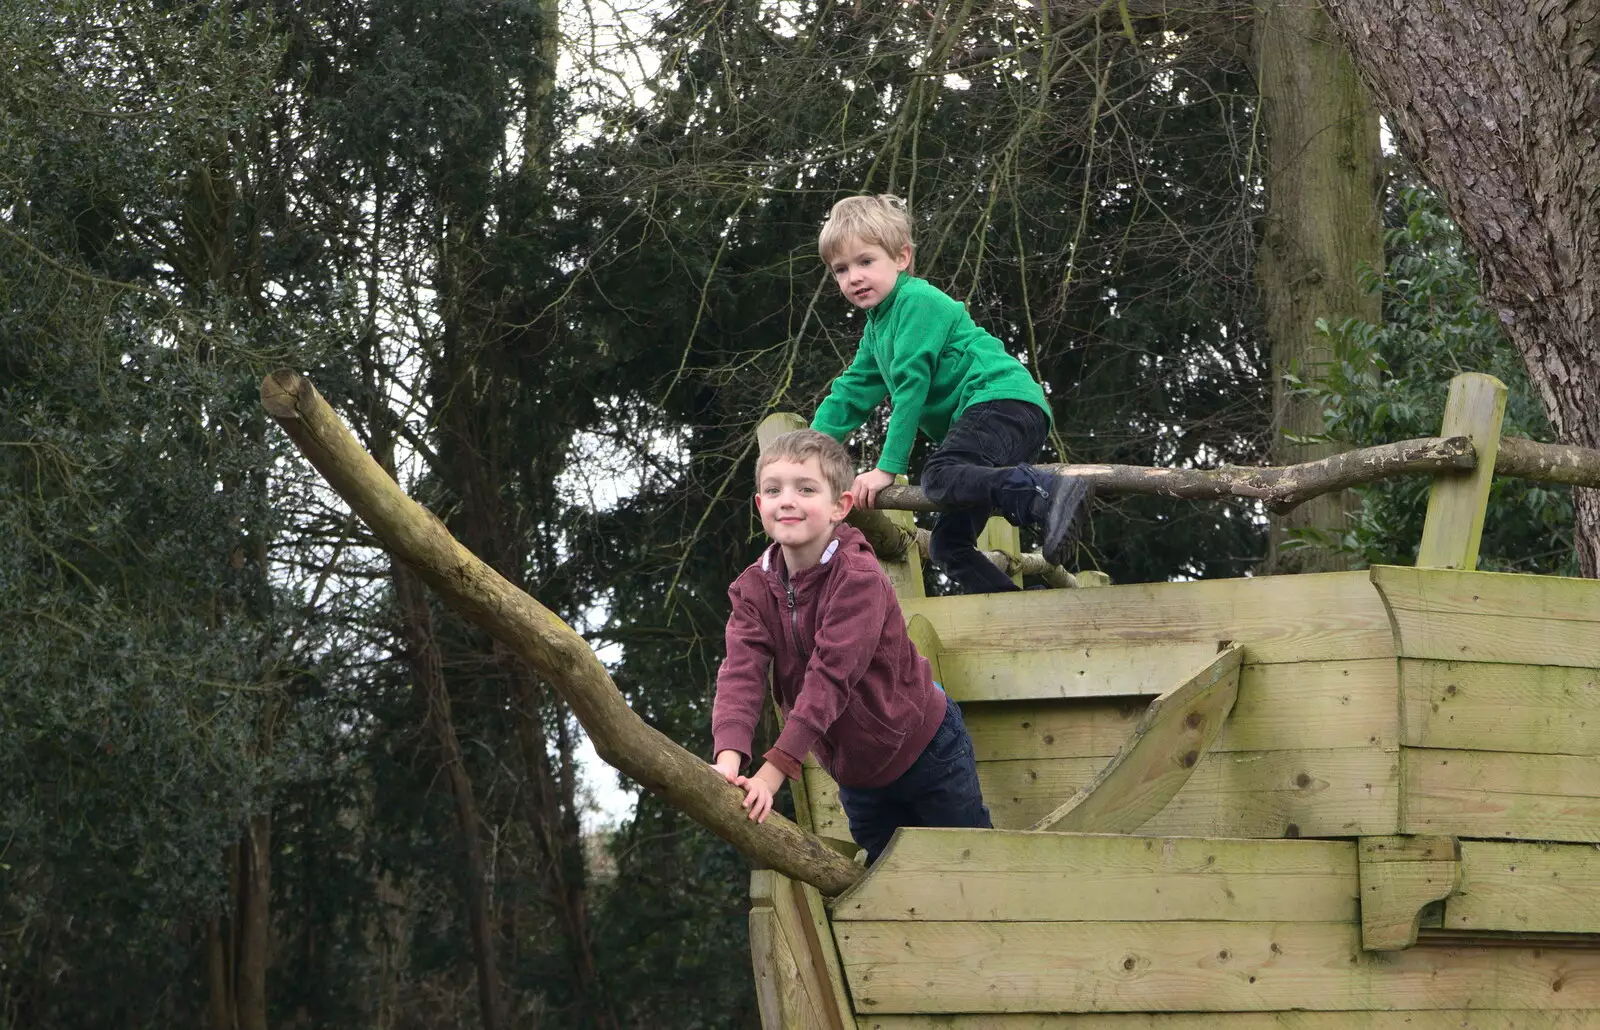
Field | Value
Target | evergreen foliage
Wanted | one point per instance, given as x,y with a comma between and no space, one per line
558,306
1391,382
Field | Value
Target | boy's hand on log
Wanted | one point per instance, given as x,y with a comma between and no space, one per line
865,488
759,790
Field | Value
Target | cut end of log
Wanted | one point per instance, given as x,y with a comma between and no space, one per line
280,393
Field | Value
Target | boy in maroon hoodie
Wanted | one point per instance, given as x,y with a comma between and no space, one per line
818,611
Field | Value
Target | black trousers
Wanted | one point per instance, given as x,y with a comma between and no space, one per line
968,474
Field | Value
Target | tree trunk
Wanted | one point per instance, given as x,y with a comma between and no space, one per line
1324,185
426,665
219,976
1498,106
253,935
552,815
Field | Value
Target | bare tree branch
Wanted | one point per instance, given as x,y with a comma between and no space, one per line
621,738
1280,487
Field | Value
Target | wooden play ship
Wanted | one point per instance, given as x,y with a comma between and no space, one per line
1349,800
1365,799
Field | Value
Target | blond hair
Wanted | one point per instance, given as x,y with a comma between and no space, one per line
802,444
881,220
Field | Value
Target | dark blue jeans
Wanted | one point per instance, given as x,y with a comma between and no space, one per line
940,789
969,473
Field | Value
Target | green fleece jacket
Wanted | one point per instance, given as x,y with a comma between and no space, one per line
923,351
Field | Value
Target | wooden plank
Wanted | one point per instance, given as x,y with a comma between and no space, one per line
1159,757
1281,707
926,640
999,535
1399,875
793,985
945,874
787,993
820,936
1093,670
1500,794
1345,792
905,575
827,815
1492,617
953,967
1326,616
1477,706
1032,730
1336,793
1446,1019
1457,503
1284,707
1510,594
1525,887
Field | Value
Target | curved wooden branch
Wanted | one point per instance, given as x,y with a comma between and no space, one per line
1281,487
621,738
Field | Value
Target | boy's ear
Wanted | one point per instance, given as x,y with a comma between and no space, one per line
842,506
902,260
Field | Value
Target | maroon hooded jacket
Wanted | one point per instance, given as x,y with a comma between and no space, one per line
850,683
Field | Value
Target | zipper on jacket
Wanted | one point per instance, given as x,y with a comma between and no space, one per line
794,619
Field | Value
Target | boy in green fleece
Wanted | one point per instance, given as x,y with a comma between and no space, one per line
955,382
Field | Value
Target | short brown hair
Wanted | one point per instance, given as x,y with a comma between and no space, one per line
801,444
882,220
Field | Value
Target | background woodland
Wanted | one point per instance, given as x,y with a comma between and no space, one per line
553,262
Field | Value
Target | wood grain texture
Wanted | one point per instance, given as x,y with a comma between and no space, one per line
799,982
1346,792
786,993
1159,757
1330,616
1399,875
1281,707
1458,501
1526,887
1450,615
1312,793
956,967
1096,670
1481,706
1019,876
1500,794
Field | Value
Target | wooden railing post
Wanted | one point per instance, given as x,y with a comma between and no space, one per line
1000,535
1456,505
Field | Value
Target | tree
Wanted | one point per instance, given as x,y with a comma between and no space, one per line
1324,186
1496,106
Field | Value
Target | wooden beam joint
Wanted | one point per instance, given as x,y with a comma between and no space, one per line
1400,875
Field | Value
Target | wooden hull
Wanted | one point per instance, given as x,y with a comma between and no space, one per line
1438,730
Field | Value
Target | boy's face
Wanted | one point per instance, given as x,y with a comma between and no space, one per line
866,272
798,508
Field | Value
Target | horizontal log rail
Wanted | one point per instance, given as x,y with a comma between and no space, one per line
1285,486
